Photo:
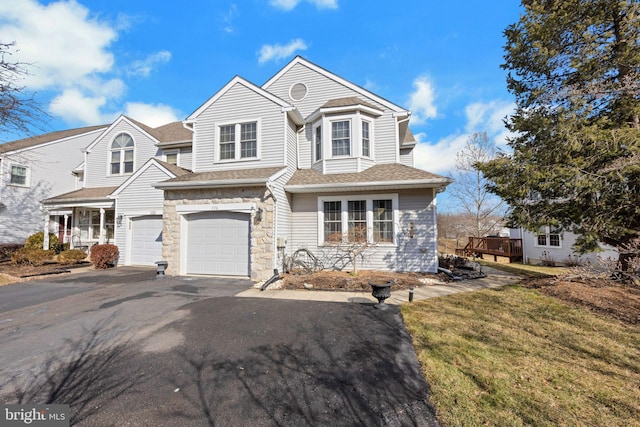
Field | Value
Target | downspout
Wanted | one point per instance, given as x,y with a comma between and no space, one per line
275,225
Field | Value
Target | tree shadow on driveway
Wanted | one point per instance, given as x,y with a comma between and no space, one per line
323,364
86,373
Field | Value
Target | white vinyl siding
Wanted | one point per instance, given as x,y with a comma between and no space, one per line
97,173
321,90
410,254
55,159
240,105
186,158
535,254
138,199
406,157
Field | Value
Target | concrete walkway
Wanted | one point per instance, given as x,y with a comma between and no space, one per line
495,278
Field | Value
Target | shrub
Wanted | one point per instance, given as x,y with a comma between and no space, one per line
35,241
31,256
72,256
7,249
104,256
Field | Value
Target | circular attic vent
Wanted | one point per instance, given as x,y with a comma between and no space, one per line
298,91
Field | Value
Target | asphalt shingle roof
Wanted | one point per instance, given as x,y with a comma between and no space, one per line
227,175
45,138
379,173
94,193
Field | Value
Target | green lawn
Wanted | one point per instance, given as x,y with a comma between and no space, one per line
514,357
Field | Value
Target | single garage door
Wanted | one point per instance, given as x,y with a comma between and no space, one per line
218,243
146,240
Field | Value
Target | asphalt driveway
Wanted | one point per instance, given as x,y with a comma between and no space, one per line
133,350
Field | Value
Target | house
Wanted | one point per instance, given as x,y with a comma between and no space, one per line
117,203
33,169
552,247
302,161
308,161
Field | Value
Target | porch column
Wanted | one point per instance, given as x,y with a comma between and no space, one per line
64,232
45,242
101,238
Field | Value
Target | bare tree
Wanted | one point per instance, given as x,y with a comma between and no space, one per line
469,187
20,112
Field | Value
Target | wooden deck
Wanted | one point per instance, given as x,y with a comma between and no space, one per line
494,247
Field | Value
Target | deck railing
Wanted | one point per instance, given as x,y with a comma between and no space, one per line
497,246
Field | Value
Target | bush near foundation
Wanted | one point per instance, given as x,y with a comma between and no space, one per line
72,256
104,256
34,257
7,249
36,240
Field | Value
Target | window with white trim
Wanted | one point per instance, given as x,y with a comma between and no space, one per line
341,138
89,224
318,142
348,219
366,139
548,237
171,156
122,151
238,141
19,175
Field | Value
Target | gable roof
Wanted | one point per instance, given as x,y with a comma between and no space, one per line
378,177
226,178
35,141
364,92
234,81
168,169
83,194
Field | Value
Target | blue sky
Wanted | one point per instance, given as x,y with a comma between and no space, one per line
157,61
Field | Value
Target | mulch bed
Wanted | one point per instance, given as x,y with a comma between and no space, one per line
605,297
22,271
347,281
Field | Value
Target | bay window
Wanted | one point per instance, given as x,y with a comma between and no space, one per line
341,138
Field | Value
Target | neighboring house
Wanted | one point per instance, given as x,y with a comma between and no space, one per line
549,246
33,169
118,203
307,160
302,161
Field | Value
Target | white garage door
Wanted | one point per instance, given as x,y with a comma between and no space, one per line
146,240
218,243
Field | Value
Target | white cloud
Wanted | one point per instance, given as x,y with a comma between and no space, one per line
227,19
421,101
439,156
153,115
73,105
145,66
277,52
291,4
61,39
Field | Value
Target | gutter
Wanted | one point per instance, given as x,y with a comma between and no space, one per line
212,183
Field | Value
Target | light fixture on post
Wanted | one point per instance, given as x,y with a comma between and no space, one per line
119,220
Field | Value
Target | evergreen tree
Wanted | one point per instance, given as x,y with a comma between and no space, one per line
574,68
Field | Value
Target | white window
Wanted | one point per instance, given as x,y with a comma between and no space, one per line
122,150
349,219
238,141
19,175
366,139
341,138
318,142
548,237
171,156
89,224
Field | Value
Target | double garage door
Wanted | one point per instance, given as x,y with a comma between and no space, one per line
218,243
146,240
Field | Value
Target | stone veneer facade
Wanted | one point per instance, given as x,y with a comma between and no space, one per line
261,233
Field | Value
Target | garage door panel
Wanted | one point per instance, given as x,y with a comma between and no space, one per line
146,240
218,243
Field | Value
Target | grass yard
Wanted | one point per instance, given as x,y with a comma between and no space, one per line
526,270
513,357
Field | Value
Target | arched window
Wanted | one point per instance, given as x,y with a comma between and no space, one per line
122,154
